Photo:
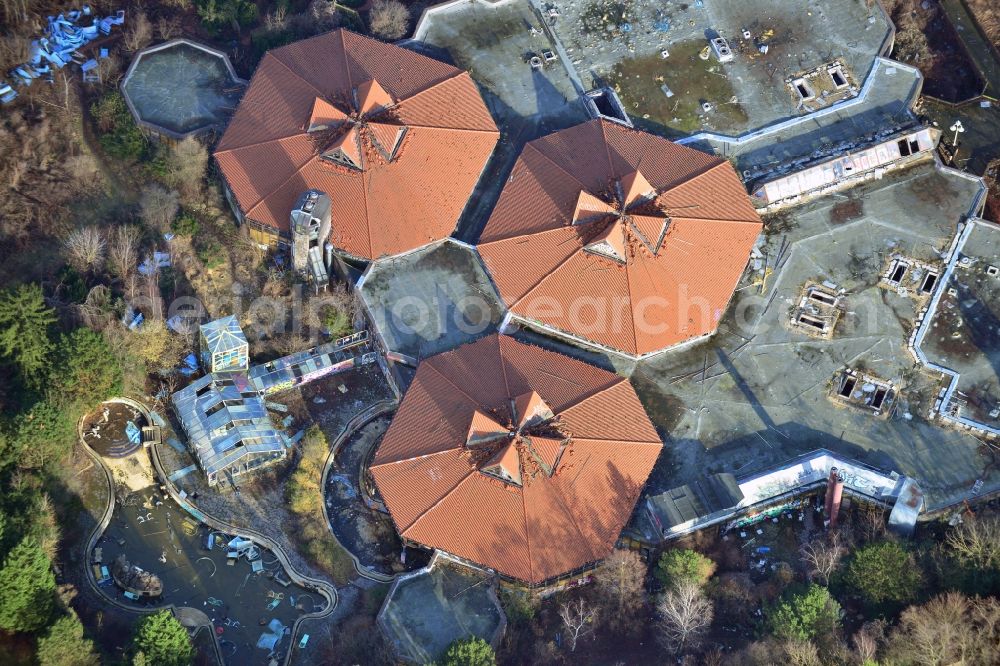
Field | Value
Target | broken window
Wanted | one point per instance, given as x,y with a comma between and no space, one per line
897,272
929,281
847,387
804,89
822,297
879,399
818,324
839,80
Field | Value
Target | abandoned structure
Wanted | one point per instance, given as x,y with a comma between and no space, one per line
394,141
137,583
224,347
721,498
181,88
619,239
224,413
503,455
847,170
703,499
227,425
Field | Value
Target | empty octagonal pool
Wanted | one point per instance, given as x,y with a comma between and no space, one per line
180,87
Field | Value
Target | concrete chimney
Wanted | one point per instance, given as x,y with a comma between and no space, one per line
834,494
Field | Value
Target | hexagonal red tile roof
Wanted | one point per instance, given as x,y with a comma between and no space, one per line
619,237
396,139
519,459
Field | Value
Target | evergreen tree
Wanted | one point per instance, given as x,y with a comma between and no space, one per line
162,640
88,372
44,433
470,652
24,331
681,565
805,614
65,645
27,588
885,574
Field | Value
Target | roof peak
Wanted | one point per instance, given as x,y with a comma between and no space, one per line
620,240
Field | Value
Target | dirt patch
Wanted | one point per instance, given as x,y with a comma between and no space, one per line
847,211
927,39
643,83
987,15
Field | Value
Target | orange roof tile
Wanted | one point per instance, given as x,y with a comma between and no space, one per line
549,498
619,237
421,138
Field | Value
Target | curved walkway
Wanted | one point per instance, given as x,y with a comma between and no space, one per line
102,525
328,591
376,410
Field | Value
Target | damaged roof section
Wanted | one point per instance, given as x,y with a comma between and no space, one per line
227,424
397,140
619,238
520,460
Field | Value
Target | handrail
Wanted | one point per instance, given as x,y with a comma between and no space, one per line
328,591
102,525
374,411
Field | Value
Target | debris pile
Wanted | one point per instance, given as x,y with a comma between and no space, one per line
59,47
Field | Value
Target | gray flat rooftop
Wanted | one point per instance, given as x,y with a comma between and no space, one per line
431,300
965,331
758,393
883,108
618,42
492,40
425,613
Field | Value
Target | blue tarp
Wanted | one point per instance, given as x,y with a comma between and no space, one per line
190,365
133,432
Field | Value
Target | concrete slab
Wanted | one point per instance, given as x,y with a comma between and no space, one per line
431,300
425,612
964,333
606,39
882,108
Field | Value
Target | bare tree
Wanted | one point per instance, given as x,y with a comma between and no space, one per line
158,207
84,170
97,311
871,523
977,540
869,639
323,15
939,632
579,619
151,293
801,653
620,581
124,251
684,616
168,28
138,32
277,20
85,248
823,556
389,19
186,165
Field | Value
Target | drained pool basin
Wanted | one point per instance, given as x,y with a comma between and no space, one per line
180,88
